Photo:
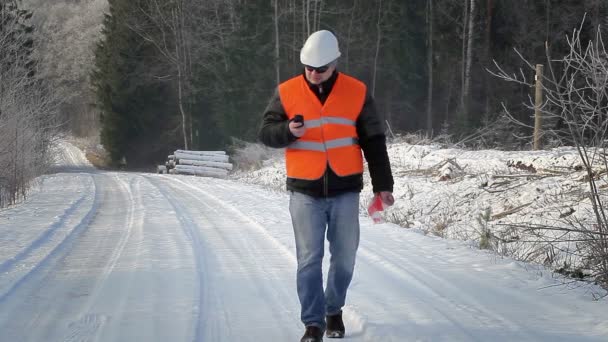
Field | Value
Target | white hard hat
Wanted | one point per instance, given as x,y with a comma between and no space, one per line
320,49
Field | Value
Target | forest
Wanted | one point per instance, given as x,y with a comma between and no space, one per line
199,74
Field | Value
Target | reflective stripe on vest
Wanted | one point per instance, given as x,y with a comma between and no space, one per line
322,147
331,132
335,120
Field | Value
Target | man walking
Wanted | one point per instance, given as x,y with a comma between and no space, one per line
324,119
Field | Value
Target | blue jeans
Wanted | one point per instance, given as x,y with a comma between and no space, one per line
311,218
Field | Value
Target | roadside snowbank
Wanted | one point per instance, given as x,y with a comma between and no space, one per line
489,197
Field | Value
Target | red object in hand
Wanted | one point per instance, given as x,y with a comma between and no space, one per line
375,207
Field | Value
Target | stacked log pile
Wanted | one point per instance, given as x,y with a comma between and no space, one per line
200,163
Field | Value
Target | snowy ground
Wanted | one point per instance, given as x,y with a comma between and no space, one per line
113,256
486,189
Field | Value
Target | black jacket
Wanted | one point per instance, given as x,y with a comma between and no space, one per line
370,130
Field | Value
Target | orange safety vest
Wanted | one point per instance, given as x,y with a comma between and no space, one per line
331,129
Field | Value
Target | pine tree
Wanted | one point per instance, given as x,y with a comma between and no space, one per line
137,117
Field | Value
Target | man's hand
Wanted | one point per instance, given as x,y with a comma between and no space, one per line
297,128
387,197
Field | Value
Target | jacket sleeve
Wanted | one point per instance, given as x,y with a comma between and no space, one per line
274,131
370,129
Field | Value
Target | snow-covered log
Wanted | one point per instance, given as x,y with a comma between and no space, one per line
219,165
222,158
202,163
200,171
202,168
202,153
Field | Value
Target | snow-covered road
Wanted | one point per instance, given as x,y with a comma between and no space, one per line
113,256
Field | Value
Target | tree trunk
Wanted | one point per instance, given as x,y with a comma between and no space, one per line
180,101
221,37
295,50
429,103
348,36
276,40
171,23
595,19
468,64
465,20
186,68
451,81
304,21
187,62
307,17
547,21
176,15
319,11
314,16
488,54
538,102
378,38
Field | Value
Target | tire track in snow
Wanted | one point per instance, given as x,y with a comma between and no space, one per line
89,323
105,289
60,249
357,320
422,301
248,197
463,297
190,229
428,293
43,238
255,259
259,227
75,253
437,285
131,221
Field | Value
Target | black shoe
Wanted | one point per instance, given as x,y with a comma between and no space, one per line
312,334
335,326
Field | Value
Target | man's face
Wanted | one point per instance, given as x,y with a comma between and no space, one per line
320,74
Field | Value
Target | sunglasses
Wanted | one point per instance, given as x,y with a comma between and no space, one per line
319,70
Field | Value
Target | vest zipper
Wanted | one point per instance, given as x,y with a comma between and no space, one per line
325,186
325,181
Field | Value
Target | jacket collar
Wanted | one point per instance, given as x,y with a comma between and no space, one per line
324,88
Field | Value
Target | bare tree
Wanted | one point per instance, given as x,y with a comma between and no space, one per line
468,60
349,35
377,51
311,13
168,35
465,29
277,52
488,53
66,33
430,53
27,109
306,14
190,35
577,96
